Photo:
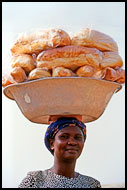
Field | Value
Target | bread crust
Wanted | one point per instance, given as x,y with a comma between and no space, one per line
70,57
85,71
38,73
121,79
111,59
37,41
23,60
100,74
93,38
62,72
18,74
7,80
115,74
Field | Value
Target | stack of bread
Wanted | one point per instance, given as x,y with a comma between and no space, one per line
53,53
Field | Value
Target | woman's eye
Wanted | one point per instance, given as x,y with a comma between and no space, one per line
78,138
64,136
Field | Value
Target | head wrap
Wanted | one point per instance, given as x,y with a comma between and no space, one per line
60,124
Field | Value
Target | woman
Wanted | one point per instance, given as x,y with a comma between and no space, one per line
65,140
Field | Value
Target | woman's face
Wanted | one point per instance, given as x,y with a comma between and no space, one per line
68,143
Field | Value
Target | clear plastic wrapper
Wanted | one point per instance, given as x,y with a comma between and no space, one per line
36,40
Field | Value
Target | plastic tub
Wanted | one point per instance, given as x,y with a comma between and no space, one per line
41,99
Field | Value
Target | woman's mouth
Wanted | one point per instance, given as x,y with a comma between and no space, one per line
71,150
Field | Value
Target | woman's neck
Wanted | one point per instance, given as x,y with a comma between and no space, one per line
64,168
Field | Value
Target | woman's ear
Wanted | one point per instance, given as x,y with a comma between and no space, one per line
51,141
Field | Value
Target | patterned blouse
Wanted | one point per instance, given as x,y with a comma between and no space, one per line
48,179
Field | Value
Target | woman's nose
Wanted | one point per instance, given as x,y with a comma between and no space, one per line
72,141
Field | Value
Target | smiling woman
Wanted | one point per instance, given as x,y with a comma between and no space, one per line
67,146
65,139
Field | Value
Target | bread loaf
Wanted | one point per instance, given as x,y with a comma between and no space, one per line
70,57
85,71
7,80
23,60
111,59
62,72
38,73
18,74
94,39
117,74
38,40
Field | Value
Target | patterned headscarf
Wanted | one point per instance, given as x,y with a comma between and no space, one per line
60,124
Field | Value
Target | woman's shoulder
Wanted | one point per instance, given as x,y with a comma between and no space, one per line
37,173
92,182
32,179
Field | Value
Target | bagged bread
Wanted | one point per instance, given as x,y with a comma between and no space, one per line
18,74
85,71
117,74
94,39
62,72
25,61
111,59
52,53
38,40
7,80
38,73
70,57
